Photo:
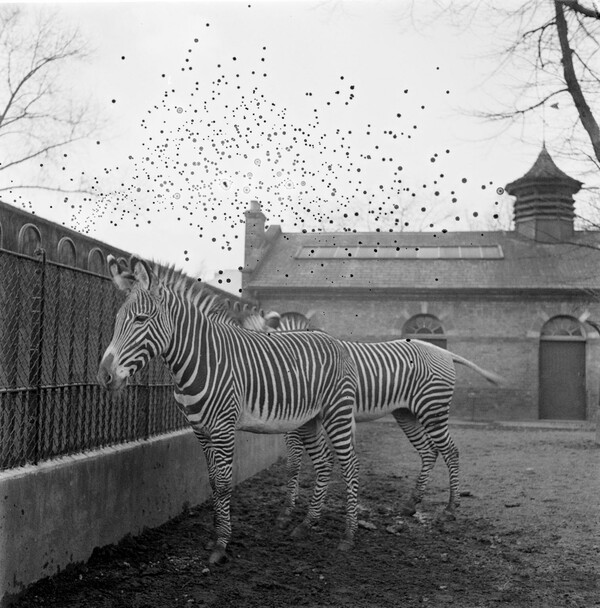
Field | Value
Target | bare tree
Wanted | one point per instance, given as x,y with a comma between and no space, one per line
553,46
586,74
39,120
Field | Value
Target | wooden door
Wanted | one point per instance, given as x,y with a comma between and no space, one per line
562,379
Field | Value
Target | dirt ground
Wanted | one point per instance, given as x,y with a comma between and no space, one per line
527,534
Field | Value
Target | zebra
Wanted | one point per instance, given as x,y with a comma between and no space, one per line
411,379
228,378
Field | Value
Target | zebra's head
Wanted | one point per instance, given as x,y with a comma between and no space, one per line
142,326
273,321
296,321
262,323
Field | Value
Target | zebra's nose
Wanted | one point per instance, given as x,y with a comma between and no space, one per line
105,376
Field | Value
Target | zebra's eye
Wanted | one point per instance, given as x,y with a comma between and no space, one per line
141,318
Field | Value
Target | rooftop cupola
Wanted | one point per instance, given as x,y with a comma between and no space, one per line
544,209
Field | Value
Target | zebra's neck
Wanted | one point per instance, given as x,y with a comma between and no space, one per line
189,327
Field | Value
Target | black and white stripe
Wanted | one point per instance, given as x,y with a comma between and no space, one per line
411,379
229,378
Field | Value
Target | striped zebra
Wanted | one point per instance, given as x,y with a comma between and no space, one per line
229,378
413,380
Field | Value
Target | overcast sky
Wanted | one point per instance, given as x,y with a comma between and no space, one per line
332,114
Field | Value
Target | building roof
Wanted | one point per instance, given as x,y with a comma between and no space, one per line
544,169
521,264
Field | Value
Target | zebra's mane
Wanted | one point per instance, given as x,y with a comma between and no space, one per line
209,300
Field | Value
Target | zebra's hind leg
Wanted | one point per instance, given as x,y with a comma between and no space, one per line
421,441
338,422
295,450
436,426
313,438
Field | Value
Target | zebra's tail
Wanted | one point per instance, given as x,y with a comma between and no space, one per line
489,376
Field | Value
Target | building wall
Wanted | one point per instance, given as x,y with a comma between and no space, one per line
500,334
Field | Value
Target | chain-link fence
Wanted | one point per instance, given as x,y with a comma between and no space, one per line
55,323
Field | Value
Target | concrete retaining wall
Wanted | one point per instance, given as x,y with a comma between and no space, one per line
56,513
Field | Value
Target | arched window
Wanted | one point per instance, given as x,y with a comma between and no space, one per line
30,239
425,327
96,261
66,252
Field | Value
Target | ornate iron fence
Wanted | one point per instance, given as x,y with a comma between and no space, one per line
55,323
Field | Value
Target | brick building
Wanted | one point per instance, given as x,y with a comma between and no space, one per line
523,303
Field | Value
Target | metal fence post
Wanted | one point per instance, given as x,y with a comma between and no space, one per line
55,320
35,361
143,404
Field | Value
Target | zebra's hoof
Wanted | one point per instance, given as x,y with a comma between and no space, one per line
218,557
408,509
345,545
282,521
210,544
447,515
300,531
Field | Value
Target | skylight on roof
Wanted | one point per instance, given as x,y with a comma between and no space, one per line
364,252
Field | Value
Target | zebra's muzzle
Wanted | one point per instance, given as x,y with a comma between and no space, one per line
107,376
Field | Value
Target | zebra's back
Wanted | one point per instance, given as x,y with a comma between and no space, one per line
276,381
399,373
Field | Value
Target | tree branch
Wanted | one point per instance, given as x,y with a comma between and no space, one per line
585,113
579,8
586,66
36,119
519,112
48,188
45,150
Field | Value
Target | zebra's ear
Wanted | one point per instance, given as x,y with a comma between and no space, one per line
120,276
272,319
311,317
141,272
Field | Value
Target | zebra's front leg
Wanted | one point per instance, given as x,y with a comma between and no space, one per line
211,465
220,455
295,450
313,438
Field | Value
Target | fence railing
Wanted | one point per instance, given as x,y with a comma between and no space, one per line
55,323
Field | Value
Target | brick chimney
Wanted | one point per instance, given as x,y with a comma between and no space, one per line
544,206
255,240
